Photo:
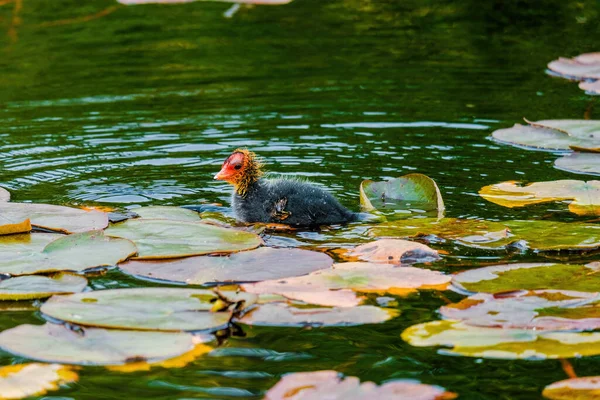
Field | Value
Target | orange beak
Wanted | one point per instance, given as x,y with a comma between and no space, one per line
222,175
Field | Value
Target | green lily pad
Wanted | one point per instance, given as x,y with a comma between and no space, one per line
580,163
159,238
247,266
53,218
408,192
529,276
551,235
584,388
39,287
461,339
167,212
93,346
160,309
4,195
284,314
26,380
584,66
337,286
394,251
552,135
585,196
45,252
331,385
556,310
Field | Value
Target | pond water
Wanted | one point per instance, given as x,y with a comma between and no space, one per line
115,106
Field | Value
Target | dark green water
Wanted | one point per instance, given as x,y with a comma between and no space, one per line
140,107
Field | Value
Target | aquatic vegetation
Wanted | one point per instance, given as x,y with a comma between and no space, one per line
21,381
586,387
584,68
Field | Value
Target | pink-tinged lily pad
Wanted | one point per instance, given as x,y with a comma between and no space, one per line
53,218
585,196
338,286
394,251
161,238
584,388
590,87
159,309
580,163
460,339
331,385
94,346
556,310
46,252
584,66
552,135
285,314
529,276
39,287
416,192
247,266
4,195
20,381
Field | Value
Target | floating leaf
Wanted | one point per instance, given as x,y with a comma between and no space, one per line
93,346
157,238
46,252
585,195
284,314
39,287
584,388
584,66
166,212
580,163
551,235
161,309
509,344
246,266
590,87
336,286
552,134
529,276
539,310
331,385
54,218
4,195
26,380
394,251
408,192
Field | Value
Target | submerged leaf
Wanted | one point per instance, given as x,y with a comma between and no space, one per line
26,380
337,286
394,251
584,388
159,238
93,346
247,266
39,287
580,163
585,195
508,344
161,309
47,252
529,276
408,192
331,385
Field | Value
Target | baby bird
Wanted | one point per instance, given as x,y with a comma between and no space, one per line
285,201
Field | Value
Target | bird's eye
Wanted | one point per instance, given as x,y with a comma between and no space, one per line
239,166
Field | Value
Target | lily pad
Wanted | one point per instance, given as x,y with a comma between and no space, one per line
552,135
93,346
584,388
591,87
160,309
53,218
4,195
585,196
247,266
167,212
556,310
337,286
394,251
462,339
584,66
580,163
159,238
284,314
552,236
26,380
44,252
408,192
331,385
39,287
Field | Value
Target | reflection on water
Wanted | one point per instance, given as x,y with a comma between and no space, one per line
140,106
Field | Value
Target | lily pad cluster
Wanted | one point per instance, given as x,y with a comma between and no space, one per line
584,68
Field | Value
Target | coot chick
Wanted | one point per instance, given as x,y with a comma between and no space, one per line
286,201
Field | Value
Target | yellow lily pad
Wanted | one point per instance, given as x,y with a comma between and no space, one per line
583,388
26,380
